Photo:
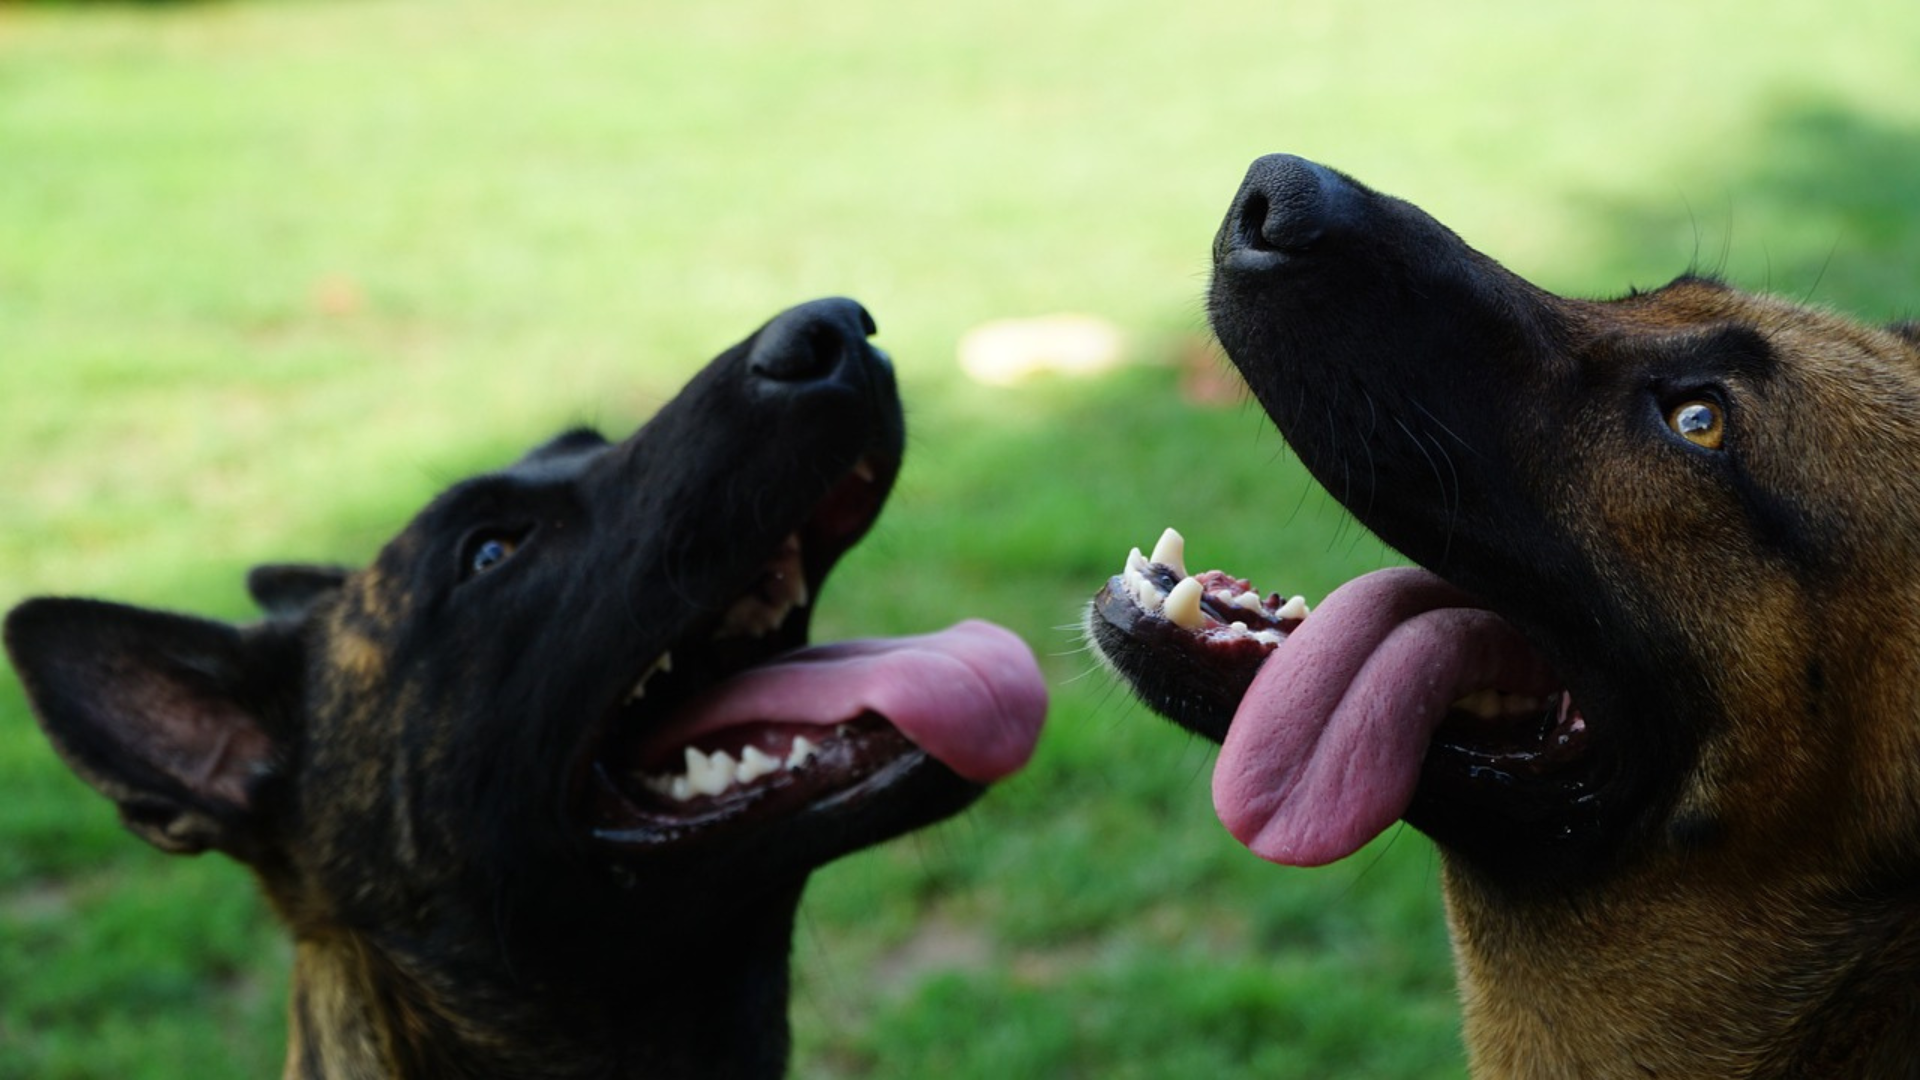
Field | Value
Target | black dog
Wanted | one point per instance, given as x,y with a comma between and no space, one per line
537,792
1653,693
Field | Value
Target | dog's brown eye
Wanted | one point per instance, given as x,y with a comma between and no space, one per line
1702,423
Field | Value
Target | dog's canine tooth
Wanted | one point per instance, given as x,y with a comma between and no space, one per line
664,662
802,749
1294,608
1183,604
782,586
1171,551
1135,562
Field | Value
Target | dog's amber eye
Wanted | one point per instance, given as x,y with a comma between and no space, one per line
489,552
1700,422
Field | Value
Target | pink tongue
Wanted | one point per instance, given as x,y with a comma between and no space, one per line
1326,748
970,695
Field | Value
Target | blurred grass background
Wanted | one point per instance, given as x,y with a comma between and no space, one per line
273,272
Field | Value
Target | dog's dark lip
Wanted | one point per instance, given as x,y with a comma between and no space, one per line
610,788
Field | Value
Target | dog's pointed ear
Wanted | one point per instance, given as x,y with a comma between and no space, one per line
292,588
171,717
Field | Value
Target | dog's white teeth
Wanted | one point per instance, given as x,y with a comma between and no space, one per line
1183,605
781,588
754,764
664,662
1294,608
801,751
1249,601
1145,592
1136,562
1269,637
1171,552
713,775
698,768
1484,704
1495,705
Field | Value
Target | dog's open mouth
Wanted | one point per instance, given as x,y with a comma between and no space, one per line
739,723
1398,686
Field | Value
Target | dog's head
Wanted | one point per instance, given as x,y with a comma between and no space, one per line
1672,552
569,702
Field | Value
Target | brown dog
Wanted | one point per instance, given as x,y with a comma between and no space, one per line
1654,694
538,791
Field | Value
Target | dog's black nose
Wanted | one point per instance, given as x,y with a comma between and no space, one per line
1284,207
811,341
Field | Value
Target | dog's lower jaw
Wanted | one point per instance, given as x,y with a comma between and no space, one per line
685,1006
1550,989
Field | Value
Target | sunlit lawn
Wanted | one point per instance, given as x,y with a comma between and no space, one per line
271,273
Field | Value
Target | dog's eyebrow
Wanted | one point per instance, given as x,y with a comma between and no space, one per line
572,441
555,457
1739,351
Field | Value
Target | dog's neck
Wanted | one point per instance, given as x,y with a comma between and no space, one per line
1662,978
682,1004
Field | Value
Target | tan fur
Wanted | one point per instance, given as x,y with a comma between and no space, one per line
1747,956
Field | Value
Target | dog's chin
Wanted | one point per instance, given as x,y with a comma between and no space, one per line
1504,768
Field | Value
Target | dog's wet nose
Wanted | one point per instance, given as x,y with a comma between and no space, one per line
1284,207
811,341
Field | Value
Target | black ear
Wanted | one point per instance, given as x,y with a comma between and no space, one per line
292,588
171,717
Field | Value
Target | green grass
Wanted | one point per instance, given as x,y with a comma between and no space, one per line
271,273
